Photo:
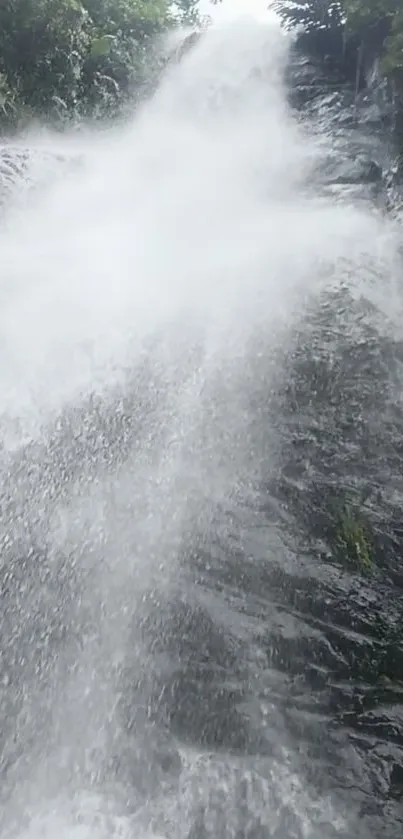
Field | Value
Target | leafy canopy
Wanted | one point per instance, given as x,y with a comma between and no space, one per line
378,21
79,56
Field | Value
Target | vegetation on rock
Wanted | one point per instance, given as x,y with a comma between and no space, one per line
373,24
78,58
353,544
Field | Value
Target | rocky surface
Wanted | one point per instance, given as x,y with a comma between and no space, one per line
302,668
362,164
334,628
280,663
24,170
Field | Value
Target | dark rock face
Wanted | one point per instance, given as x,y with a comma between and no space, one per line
356,170
363,162
305,654
341,654
331,48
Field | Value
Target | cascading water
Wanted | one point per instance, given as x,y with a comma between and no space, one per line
147,298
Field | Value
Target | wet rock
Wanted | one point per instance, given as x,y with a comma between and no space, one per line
358,170
145,764
186,45
309,80
358,163
304,647
359,193
372,114
396,780
191,696
352,110
328,664
25,170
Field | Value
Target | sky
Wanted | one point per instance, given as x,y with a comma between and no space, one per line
233,8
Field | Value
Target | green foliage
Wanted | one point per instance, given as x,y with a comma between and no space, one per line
362,14
309,14
41,45
74,58
378,22
353,544
188,10
101,46
393,58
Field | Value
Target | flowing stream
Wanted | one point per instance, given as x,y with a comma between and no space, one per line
160,286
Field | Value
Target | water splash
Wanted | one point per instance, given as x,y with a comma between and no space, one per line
141,297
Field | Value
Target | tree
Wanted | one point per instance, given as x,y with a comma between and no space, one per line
79,57
122,34
41,47
309,14
373,24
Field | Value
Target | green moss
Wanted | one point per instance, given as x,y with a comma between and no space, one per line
353,544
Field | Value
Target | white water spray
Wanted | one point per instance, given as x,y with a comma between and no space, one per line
182,240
